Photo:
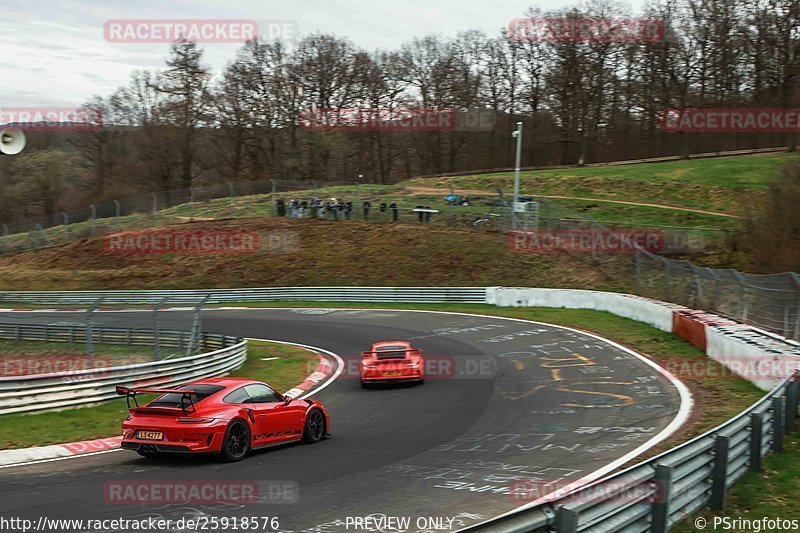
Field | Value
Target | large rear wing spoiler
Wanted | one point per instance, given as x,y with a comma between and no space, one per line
131,393
386,353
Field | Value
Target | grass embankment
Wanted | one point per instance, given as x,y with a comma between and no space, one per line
725,184
103,420
319,253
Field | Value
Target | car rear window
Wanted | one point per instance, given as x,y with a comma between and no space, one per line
391,351
174,400
391,348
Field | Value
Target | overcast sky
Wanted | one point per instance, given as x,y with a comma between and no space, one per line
55,53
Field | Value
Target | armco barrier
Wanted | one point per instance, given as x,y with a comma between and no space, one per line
319,294
22,394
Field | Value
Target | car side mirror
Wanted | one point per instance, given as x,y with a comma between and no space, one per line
287,400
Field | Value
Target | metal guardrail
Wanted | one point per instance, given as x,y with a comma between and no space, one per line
657,493
23,394
319,294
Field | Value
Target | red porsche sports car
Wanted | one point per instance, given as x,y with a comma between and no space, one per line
392,361
225,416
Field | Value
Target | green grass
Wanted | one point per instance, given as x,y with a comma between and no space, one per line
727,184
104,419
13,348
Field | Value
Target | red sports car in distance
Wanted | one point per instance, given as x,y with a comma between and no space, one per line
224,416
392,361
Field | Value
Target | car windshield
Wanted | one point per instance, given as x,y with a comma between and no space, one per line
172,399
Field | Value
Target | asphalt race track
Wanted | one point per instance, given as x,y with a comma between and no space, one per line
509,402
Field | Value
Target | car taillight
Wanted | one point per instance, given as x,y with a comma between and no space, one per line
413,364
196,420
367,364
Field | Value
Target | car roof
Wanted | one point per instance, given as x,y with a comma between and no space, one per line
226,381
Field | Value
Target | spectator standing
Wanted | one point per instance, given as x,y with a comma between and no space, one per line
428,215
366,206
382,209
348,210
420,214
281,205
393,207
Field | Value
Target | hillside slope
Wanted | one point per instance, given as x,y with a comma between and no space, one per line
327,253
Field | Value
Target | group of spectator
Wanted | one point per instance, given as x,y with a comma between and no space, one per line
338,209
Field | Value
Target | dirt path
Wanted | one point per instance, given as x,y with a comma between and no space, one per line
433,190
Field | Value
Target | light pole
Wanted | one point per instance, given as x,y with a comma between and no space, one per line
518,134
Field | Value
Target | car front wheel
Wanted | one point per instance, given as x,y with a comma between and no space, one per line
314,428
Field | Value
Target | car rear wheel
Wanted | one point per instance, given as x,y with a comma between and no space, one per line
236,442
314,428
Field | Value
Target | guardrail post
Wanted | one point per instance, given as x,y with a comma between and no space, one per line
566,520
719,475
777,424
231,191
191,204
756,433
660,510
791,405
154,196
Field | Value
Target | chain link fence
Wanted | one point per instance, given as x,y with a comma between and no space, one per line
100,336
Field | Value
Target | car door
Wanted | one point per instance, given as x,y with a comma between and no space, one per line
276,421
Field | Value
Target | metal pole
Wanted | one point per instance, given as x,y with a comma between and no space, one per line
515,200
719,474
191,204
5,239
156,336
89,347
194,337
231,192
274,191
777,424
155,202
